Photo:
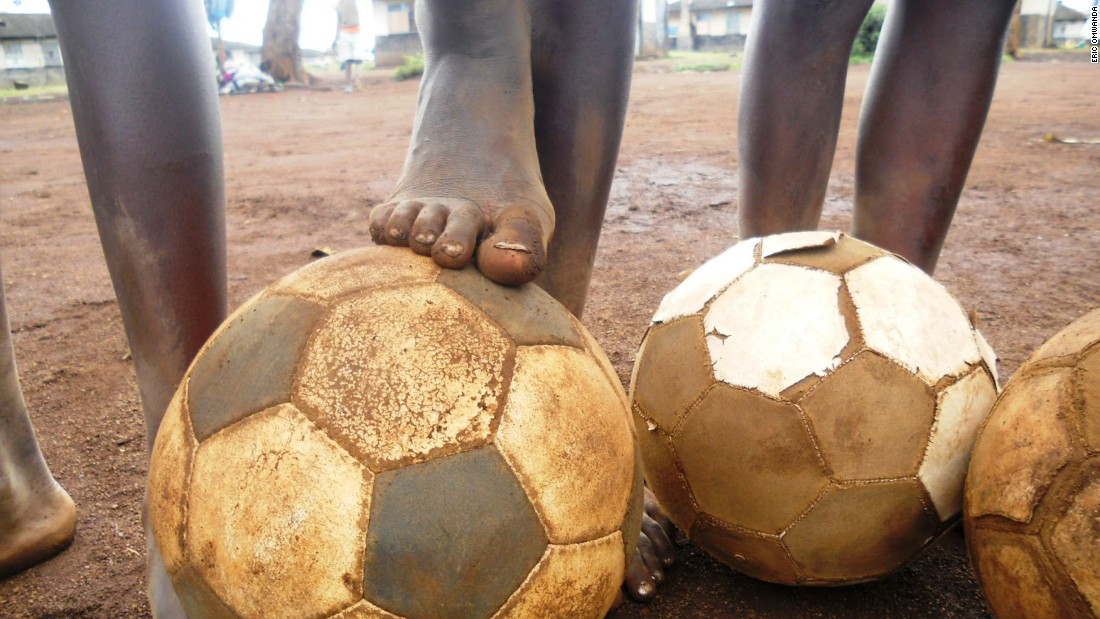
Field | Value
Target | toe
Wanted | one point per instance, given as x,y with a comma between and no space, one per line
455,246
401,221
427,228
515,253
663,551
659,529
379,218
638,583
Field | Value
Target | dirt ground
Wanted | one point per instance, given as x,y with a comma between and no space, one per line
304,169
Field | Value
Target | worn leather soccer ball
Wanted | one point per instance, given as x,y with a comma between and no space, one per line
806,404
374,436
1032,512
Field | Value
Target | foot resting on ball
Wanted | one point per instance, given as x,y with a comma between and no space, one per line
471,179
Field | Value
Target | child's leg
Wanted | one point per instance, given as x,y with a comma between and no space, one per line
582,56
792,92
148,124
472,173
582,60
37,517
930,90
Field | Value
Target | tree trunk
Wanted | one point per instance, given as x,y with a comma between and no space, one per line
282,58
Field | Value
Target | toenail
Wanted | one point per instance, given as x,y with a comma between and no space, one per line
453,250
645,589
658,576
512,246
425,238
397,233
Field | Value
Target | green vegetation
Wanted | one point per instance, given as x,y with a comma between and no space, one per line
50,90
413,67
705,61
867,37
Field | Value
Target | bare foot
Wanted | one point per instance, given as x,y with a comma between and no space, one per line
37,517
471,180
655,553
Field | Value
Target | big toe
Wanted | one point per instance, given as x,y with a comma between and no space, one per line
515,253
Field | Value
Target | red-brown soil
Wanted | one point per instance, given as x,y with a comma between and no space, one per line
304,168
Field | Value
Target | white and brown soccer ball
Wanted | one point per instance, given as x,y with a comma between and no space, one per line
806,404
1032,509
374,436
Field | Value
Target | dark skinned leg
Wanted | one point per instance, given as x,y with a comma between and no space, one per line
580,110
926,104
792,93
37,517
472,172
147,121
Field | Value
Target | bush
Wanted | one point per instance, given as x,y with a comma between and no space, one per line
413,67
867,38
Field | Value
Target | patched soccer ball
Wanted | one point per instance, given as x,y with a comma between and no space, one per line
1032,509
805,405
373,436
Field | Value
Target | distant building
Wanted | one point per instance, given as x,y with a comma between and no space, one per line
1049,23
719,25
29,51
652,38
395,33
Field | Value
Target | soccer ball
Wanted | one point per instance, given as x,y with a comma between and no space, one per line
1032,514
373,436
805,404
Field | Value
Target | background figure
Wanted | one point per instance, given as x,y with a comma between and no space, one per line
348,51
930,89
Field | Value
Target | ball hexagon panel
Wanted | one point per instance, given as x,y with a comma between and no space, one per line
672,371
663,475
197,598
574,581
1088,390
364,610
593,348
250,365
893,527
169,478
1007,476
712,277
359,269
527,314
961,409
1012,576
566,435
871,418
750,461
898,306
284,510
424,380
1075,539
451,537
836,254
775,326
1076,337
759,556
